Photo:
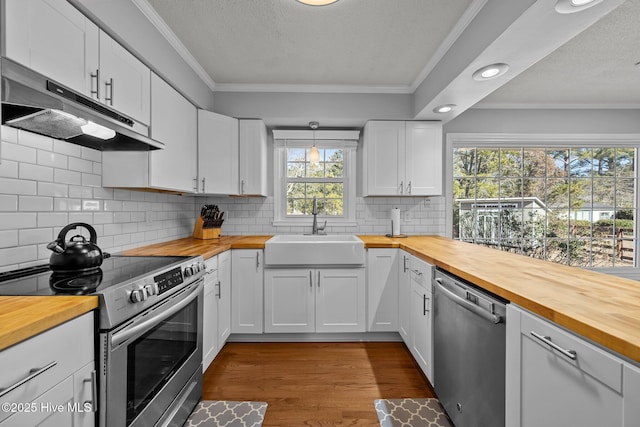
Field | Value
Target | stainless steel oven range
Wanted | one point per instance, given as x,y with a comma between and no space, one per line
149,345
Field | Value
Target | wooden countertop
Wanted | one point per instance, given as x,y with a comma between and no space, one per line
24,317
193,247
601,307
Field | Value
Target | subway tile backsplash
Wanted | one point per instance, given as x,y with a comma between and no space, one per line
46,184
254,215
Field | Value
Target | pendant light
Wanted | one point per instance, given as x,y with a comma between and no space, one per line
314,154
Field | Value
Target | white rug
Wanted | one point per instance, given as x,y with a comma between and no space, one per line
411,413
223,413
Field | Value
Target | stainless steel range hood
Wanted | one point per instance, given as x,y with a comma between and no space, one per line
34,103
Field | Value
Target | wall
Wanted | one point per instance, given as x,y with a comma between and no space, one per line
254,215
46,184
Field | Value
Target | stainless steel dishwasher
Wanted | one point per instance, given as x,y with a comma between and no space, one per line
469,352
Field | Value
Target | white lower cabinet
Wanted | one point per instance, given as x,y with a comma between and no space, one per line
556,378
315,300
404,297
210,313
247,291
421,314
382,290
54,377
224,298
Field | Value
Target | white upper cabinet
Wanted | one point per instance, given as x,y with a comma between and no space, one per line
402,158
218,151
124,81
174,121
253,157
174,168
56,40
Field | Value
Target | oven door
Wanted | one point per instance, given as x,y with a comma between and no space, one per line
151,367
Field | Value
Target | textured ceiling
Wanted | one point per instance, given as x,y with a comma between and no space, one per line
389,43
596,68
352,42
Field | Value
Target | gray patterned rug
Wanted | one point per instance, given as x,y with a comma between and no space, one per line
411,413
223,413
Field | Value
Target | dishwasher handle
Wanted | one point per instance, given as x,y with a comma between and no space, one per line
493,318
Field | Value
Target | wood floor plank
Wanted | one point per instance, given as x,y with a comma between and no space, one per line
315,384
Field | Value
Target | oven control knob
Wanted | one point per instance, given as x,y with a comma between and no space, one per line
152,289
187,272
138,295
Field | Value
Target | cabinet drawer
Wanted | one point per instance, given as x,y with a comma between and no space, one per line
55,354
588,358
420,272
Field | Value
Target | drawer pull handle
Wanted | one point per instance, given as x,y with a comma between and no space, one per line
571,354
32,374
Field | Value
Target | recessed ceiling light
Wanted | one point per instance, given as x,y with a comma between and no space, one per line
445,108
490,72
317,2
573,6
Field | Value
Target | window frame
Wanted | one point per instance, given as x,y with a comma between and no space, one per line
534,140
280,217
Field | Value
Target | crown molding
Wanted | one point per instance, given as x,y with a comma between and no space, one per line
159,23
303,88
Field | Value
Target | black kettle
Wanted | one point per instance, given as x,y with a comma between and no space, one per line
77,254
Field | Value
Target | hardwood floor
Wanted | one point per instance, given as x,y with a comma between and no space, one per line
315,384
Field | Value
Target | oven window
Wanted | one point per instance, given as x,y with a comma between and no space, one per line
155,356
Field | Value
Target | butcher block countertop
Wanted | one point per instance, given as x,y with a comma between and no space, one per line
25,317
193,247
603,308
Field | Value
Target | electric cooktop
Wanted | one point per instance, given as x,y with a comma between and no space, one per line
40,280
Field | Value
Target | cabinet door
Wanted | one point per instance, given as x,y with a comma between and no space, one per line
224,298
340,300
174,122
125,82
631,392
421,328
247,291
217,153
423,173
253,157
384,143
548,388
55,39
404,297
382,290
289,300
210,313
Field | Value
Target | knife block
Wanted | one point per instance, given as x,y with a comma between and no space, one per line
204,233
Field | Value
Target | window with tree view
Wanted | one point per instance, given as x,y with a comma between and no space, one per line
573,206
324,180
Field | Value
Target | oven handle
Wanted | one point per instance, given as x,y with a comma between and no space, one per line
124,335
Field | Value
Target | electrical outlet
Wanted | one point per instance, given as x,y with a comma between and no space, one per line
408,217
